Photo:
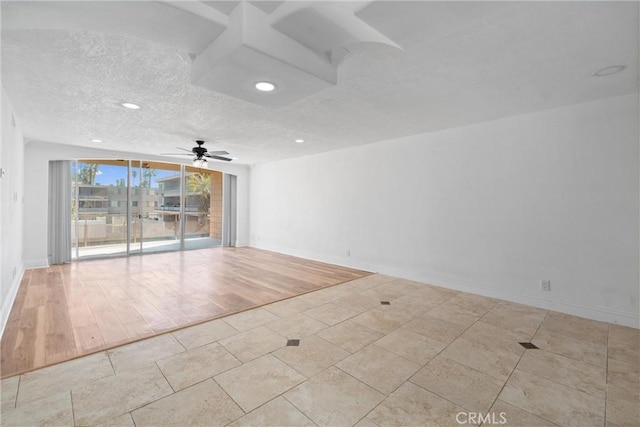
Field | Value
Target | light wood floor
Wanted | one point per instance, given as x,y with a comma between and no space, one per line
71,310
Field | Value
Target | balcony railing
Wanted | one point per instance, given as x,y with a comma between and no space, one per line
94,210
177,208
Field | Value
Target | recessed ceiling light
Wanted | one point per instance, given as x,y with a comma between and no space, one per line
607,71
265,86
130,105
299,141
96,140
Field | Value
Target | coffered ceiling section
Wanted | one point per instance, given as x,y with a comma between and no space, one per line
295,46
297,49
153,21
345,73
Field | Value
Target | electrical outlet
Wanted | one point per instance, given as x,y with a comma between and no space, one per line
545,285
348,252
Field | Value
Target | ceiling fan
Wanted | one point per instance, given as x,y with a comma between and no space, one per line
200,154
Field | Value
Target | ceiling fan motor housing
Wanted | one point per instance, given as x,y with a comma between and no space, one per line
199,151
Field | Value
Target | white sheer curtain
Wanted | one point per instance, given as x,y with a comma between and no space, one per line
59,211
229,194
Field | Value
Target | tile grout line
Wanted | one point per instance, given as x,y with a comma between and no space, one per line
273,398
421,367
470,367
576,360
514,369
244,363
130,411
572,358
73,411
560,383
386,396
106,352
15,400
232,399
178,341
294,405
165,378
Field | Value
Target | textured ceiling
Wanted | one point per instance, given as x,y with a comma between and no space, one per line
67,66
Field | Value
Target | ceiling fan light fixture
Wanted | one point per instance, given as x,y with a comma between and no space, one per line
200,163
265,86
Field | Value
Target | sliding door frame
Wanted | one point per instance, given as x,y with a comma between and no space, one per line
228,210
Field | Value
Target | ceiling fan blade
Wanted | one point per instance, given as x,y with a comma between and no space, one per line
226,159
218,153
184,149
175,154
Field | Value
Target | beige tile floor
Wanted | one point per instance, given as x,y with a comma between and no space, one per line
431,357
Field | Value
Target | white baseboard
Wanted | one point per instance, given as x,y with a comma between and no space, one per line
10,299
335,260
589,312
594,313
36,263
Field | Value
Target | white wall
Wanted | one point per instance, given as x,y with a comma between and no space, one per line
489,208
37,187
11,211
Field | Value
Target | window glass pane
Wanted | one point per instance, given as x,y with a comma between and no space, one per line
100,227
160,206
203,208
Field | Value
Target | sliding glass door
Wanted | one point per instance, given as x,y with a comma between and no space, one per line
202,195
99,213
159,206
123,207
